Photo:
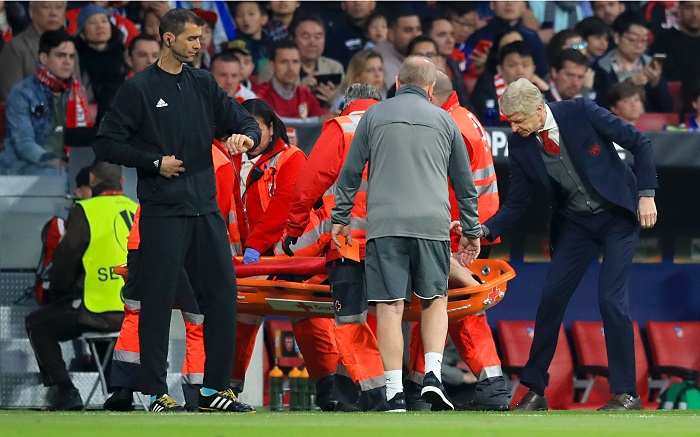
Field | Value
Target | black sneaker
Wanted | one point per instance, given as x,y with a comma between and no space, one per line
224,401
414,402
68,400
121,400
434,393
165,404
397,404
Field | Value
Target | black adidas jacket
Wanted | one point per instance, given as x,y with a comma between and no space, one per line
156,114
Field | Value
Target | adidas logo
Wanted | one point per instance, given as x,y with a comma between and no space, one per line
161,103
221,403
157,160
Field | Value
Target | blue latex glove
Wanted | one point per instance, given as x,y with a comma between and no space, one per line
251,256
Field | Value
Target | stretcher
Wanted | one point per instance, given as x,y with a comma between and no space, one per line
304,291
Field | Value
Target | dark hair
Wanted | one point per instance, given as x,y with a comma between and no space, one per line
140,37
397,13
106,172
223,57
237,4
457,9
592,26
282,45
419,39
627,19
261,109
175,20
492,58
428,23
52,39
556,43
303,19
519,47
623,90
569,55
82,179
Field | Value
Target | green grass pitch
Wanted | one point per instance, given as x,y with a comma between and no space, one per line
423,424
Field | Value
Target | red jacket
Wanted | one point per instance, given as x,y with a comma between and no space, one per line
261,228
304,104
321,171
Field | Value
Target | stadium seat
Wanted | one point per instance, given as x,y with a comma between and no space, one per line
656,120
3,125
515,338
674,88
675,350
589,341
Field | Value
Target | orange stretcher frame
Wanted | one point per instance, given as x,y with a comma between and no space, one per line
312,298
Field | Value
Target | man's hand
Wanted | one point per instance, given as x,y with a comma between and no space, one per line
251,256
469,249
325,92
287,241
171,166
237,144
343,231
456,227
640,79
653,73
646,212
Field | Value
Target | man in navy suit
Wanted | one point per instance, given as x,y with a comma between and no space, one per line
599,203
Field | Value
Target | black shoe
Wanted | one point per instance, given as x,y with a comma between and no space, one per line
121,400
330,405
622,402
490,394
68,400
414,402
434,393
165,404
397,404
532,402
223,401
346,408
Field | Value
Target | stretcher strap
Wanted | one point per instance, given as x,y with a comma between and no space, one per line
308,266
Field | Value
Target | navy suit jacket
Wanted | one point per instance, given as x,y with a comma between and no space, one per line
588,132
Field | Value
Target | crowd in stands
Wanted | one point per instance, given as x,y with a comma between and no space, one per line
300,57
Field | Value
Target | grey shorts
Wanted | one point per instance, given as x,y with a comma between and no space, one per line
395,266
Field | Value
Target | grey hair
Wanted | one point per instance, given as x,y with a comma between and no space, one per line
520,96
443,86
359,91
417,70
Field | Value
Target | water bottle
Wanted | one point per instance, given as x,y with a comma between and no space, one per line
304,390
492,115
276,389
312,396
294,401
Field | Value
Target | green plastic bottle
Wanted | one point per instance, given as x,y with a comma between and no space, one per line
276,389
294,399
304,390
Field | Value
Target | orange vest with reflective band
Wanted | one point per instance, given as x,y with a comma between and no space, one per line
483,171
221,159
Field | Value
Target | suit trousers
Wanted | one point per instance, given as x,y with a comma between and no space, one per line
201,245
615,232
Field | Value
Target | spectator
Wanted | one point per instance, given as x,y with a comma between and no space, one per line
240,50
567,38
628,62
626,100
293,103
203,57
567,76
607,11
661,15
143,51
14,22
464,19
226,69
224,29
499,42
682,49
515,61
250,20
101,56
404,25
694,118
150,23
39,109
20,55
346,32
126,27
557,16
596,34
441,31
508,16
365,67
377,29
92,244
282,12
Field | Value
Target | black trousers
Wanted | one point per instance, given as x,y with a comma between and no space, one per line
52,324
581,239
201,245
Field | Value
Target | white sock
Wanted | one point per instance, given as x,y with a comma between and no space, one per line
394,384
433,363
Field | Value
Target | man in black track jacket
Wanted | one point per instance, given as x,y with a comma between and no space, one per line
162,122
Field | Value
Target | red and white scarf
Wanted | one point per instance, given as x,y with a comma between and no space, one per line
500,85
77,109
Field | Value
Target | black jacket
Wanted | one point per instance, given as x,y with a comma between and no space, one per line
157,114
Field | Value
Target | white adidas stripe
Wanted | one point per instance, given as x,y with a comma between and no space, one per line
227,404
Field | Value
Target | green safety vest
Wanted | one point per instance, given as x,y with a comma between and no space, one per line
110,218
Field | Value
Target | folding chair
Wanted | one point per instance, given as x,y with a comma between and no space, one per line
91,338
589,341
675,350
515,339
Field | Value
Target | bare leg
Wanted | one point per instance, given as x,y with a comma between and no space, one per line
434,324
460,276
389,335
